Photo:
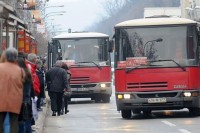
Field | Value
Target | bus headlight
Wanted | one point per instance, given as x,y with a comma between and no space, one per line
127,96
187,94
103,85
119,96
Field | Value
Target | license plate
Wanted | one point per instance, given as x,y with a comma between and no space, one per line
157,100
82,89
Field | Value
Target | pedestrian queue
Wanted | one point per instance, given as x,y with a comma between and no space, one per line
22,83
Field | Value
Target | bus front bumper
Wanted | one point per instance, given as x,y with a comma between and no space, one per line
88,90
157,100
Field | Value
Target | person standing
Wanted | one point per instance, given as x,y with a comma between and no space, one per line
31,64
57,77
40,75
11,88
25,123
66,96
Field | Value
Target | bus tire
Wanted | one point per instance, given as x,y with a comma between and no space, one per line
126,114
106,99
97,99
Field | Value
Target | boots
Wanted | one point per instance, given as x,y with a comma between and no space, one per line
54,113
66,111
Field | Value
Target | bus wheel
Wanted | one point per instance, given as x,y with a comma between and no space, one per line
194,111
106,99
97,99
126,114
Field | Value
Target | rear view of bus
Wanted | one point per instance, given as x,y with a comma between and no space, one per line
87,55
157,65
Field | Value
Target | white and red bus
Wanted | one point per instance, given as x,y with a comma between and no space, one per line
157,65
88,57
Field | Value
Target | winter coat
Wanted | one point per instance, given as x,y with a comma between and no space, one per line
57,77
11,87
40,74
36,82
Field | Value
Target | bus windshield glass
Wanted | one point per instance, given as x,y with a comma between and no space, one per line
85,50
176,43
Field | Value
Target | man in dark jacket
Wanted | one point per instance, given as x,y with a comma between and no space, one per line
57,77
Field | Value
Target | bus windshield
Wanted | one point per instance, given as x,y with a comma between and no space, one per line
85,50
177,43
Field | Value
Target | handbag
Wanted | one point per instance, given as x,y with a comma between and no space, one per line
25,112
68,93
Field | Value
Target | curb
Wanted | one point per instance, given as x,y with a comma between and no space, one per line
42,116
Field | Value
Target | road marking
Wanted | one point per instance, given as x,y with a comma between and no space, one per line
184,131
169,123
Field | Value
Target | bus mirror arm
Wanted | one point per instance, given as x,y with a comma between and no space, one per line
110,46
50,47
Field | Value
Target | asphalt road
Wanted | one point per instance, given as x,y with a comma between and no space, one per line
85,116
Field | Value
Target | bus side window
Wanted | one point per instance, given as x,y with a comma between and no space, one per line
190,47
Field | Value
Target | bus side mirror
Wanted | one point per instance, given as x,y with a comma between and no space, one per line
111,46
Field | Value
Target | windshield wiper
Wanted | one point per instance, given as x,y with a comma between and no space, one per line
131,69
183,68
91,62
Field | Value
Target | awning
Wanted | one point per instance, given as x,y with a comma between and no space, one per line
7,12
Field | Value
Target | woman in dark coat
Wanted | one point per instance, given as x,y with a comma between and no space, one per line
40,75
66,98
25,124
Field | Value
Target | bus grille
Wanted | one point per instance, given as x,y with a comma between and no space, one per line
147,85
83,85
79,80
157,95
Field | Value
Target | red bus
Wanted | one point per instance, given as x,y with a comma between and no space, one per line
157,65
88,56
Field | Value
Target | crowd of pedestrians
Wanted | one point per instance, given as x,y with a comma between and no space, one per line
23,80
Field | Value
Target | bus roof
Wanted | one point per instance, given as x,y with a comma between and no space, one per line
80,35
155,21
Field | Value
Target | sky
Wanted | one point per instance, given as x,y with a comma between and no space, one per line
80,14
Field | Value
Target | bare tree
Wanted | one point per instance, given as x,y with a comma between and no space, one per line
112,7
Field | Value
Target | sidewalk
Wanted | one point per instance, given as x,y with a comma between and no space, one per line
40,123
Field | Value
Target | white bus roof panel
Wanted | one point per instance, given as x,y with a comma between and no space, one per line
155,21
80,35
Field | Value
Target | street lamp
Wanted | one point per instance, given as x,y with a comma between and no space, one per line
48,20
49,14
52,6
53,25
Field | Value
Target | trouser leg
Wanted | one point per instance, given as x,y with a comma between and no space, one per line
2,117
13,123
63,105
22,128
53,101
66,99
59,101
28,126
